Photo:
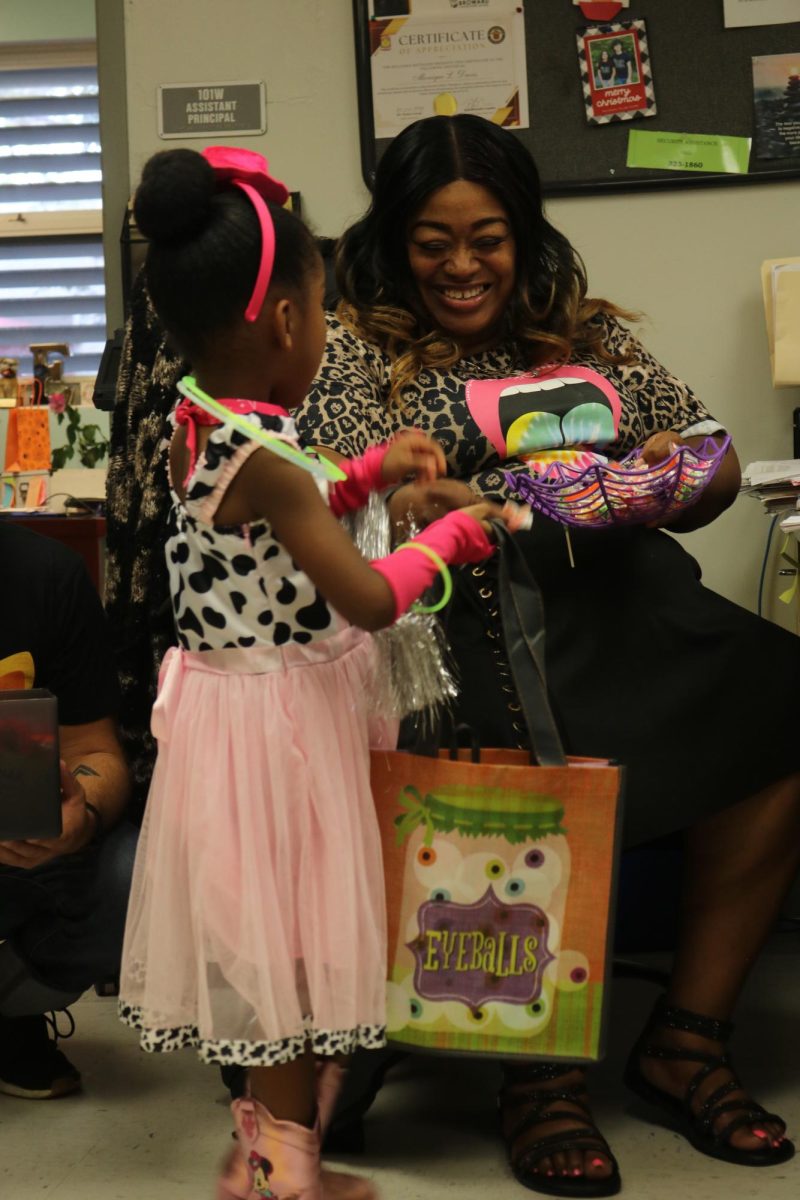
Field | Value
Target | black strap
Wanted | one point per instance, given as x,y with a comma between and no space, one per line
471,736
522,614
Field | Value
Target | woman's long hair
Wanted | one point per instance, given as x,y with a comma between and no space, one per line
548,314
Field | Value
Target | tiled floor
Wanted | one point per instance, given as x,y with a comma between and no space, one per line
154,1128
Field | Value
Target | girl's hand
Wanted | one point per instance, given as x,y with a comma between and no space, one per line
488,511
417,504
660,446
413,453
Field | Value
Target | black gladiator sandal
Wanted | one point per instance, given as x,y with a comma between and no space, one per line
543,1106
698,1126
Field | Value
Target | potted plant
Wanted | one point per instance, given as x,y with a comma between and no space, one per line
87,441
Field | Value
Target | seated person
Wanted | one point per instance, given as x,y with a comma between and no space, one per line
454,284
62,900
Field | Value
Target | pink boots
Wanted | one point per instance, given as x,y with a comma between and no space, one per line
273,1160
278,1160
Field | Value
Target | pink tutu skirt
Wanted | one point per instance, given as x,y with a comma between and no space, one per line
256,922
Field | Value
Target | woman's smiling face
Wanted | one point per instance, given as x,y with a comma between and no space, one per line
461,252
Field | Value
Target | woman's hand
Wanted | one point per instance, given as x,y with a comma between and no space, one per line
660,446
417,504
718,495
413,453
77,828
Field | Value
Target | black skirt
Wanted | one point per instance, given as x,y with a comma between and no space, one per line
692,694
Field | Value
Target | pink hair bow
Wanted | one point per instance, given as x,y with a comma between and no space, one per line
249,171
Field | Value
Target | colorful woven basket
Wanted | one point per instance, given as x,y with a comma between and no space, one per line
621,493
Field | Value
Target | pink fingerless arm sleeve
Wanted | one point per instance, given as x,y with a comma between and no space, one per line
456,538
364,476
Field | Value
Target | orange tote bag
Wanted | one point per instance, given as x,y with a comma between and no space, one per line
28,439
500,872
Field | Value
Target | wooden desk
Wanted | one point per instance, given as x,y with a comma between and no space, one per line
85,535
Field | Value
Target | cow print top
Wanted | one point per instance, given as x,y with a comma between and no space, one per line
236,586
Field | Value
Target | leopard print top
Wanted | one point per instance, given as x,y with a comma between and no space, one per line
348,405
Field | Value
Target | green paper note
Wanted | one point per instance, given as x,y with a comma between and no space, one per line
688,152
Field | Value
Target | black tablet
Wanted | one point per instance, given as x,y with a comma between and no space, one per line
30,785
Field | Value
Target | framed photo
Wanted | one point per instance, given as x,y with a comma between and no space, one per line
776,98
616,74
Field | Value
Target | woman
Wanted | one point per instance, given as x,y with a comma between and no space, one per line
604,71
455,275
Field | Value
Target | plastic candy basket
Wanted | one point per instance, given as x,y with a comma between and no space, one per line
620,493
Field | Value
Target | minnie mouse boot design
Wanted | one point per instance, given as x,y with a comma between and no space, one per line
274,1160
267,1149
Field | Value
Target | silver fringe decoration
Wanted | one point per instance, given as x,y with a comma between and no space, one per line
414,675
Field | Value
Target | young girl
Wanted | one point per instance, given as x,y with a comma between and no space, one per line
256,924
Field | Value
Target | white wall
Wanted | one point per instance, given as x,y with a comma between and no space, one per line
302,49
688,258
46,20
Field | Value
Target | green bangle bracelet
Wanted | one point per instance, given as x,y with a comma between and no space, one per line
444,570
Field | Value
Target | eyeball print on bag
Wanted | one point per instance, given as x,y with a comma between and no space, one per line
443,890
405,1008
526,1019
479,871
465,1018
499,1017
570,971
435,863
541,869
480,928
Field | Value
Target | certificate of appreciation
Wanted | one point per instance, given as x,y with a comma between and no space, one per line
445,59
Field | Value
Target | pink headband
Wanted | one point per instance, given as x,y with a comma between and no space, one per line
249,171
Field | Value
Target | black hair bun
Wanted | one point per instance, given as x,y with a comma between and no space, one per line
173,200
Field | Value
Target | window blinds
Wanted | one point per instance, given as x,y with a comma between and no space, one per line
51,287
49,140
52,290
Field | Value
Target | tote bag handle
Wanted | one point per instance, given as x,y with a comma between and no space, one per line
522,615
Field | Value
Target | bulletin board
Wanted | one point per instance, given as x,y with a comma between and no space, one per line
703,81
